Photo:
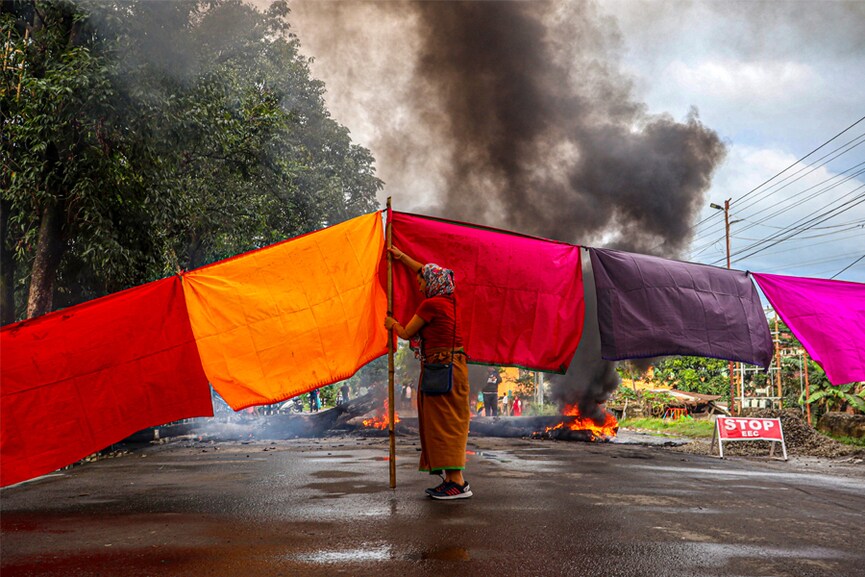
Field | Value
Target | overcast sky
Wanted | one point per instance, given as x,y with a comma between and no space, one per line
774,80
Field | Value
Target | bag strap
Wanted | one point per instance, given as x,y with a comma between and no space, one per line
454,344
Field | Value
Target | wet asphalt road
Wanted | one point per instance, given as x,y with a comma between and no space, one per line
541,508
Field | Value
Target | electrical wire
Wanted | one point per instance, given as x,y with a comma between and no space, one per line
846,267
790,200
810,168
781,236
759,186
822,161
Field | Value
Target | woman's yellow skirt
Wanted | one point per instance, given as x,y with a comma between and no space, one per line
443,420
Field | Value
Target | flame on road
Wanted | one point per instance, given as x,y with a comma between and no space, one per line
577,422
380,421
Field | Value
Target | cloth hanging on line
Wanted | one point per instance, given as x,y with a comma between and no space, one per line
79,379
650,306
828,318
520,298
291,317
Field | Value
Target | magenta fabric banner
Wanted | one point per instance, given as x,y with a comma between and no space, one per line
520,298
82,378
828,318
651,307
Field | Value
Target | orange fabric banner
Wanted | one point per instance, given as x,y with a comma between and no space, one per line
291,317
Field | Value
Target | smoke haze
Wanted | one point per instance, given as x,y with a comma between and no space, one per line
511,114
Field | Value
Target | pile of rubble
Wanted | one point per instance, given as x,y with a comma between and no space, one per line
802,440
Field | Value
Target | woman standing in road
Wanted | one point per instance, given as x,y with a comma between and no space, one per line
443,420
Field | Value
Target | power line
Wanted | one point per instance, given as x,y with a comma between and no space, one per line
813,236
847,146
816,219
792,204
846,267
790,200
814,261
706,245
759,186
856,223
814,166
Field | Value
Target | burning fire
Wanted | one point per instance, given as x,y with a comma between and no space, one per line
581,423
380,421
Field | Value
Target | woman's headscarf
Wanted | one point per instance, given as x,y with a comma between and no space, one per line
439,281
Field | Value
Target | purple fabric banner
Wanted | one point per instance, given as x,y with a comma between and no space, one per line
651,307
828,318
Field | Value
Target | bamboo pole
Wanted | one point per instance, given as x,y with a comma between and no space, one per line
390,352
21,76
7,49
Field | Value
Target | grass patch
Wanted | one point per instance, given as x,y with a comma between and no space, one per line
680,427
856,442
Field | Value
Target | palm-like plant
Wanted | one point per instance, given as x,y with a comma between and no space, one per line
836,398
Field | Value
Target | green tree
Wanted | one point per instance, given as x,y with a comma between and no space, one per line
152,136
66,179
695,375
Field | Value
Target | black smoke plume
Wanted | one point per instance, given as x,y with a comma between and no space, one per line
518,115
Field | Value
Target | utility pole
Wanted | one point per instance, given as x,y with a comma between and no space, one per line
726,209
807,384
730,366
727,228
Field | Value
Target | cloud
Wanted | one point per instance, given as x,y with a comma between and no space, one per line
802,192
737,82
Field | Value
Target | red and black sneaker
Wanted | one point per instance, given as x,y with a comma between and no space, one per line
438,487
450,490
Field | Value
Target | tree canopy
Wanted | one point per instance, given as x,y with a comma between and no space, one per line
140,138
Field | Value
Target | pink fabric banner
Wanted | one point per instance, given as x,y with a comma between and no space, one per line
82,378
520,298
828,318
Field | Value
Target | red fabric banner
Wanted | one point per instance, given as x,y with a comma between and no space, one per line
82,378
520,298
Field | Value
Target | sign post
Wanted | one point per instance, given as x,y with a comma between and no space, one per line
748,429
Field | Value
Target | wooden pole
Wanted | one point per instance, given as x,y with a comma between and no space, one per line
390,353
730,364
778,362
807,385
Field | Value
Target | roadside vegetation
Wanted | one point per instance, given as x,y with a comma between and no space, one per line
144,138
853,441
684,427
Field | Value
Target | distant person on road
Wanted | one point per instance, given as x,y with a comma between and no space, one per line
314,401
443,420
491,393
346,393
517,408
